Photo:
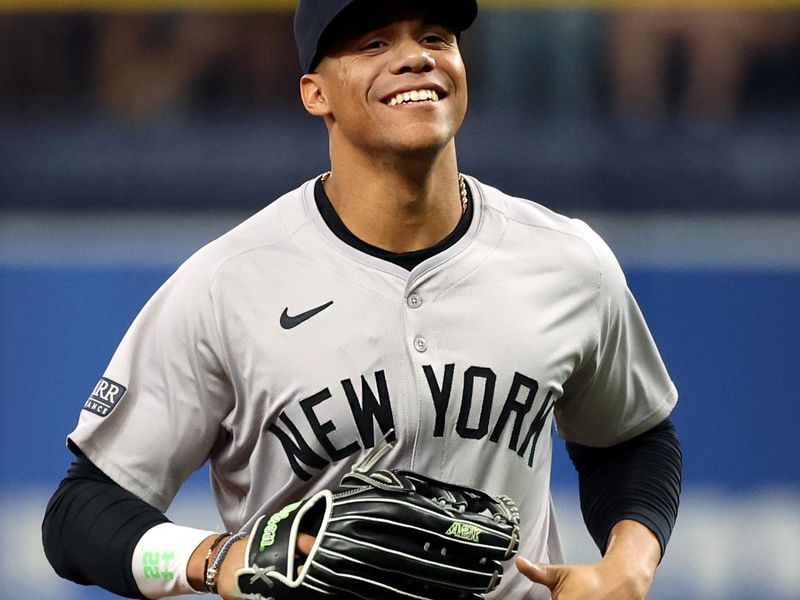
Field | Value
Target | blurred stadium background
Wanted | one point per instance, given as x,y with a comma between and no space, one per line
133,131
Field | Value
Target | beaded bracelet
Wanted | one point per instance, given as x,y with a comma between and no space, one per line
210,553
213,570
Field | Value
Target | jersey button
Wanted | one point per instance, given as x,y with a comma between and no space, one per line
420,344
414,301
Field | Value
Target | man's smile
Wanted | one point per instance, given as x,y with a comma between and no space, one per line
422,93
414,96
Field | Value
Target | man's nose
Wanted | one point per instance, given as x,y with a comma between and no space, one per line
413,58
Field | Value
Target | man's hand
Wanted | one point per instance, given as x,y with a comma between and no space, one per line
626,571
235,560
304,543
598,581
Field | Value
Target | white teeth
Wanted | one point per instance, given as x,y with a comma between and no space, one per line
414,96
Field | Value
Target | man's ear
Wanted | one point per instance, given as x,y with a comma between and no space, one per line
313,97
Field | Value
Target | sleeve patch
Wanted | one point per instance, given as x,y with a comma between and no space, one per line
104,397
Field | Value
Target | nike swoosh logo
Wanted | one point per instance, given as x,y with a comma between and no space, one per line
290,322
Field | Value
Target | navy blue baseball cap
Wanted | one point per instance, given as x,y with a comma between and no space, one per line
313,20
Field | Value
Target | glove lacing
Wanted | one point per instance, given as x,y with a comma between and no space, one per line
261,573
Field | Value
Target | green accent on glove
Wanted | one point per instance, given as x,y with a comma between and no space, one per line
268,536
464,531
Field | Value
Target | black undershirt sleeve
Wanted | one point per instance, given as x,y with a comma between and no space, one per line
639,479
91,528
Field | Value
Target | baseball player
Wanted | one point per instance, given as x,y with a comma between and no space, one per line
390,306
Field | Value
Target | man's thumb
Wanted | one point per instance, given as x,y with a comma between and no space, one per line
547,575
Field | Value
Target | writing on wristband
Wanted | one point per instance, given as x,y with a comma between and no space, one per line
158,565
161,557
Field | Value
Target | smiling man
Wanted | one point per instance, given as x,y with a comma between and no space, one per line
390,84
391,298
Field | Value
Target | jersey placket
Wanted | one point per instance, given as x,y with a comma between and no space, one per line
418,338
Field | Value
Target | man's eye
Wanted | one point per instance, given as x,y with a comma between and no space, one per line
373,45
434,39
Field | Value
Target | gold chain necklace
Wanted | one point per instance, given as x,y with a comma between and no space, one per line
462,188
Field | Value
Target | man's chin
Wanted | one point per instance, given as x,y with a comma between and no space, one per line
418,145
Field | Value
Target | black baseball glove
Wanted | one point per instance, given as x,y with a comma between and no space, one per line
383,535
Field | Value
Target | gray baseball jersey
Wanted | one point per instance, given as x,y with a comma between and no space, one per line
282,355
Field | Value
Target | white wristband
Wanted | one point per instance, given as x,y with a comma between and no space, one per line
161,557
